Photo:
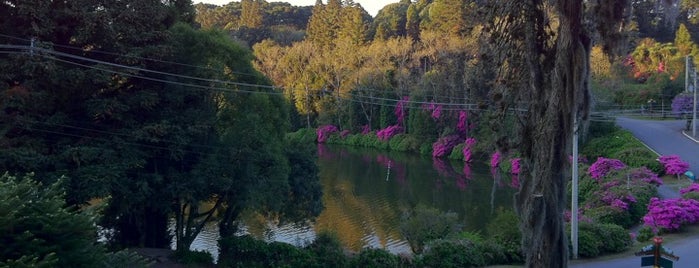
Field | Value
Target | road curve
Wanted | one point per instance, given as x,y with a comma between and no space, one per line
665,138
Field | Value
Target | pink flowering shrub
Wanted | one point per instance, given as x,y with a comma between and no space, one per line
388,132
461,125
365,129
467,149
516,168
673,164
671,214
694,187
444,145
495,159
646,175
323,132
603,166
344,133
400,109
436,110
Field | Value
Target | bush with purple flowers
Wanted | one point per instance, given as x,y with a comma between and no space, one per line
461,125
673,164
694,187
388,132
646,175
516,168
671,214
467,149
323,132
444,145
495,159
603,166
400,109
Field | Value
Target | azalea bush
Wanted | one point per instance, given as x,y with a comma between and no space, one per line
388,132
603,166
323,132
444,145
671,214
694,187
468,149
674,165
495,159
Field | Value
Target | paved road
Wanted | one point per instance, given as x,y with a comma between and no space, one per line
664,137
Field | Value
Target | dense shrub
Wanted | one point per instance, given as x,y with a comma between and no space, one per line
603,166
595,239
404,143
304,135
639,157
188,257
671,214
246,251
373,257
607,146
504,230
328,251
451,253
427,224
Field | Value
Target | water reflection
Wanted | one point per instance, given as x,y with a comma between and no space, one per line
366,193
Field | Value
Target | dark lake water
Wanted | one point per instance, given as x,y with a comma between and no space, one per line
366,192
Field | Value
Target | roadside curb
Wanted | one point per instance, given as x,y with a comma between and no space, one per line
689,136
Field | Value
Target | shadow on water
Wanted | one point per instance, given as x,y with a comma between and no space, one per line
366,193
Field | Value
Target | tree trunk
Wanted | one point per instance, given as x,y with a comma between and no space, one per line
557,94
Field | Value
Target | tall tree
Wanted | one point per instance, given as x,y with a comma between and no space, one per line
551,56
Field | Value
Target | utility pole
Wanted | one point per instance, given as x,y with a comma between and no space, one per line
31,47
694,105
574,205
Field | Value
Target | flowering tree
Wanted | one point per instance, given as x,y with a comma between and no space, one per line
603,166
674,165
671,214
323,132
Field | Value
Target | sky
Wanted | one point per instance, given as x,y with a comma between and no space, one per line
371,6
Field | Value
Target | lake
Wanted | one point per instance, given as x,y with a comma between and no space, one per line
366,192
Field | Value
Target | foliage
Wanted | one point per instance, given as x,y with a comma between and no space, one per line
126,258
639,157
451,253
503,230
374,257
598,239
444,145
188,257
673,164
386,133
323,132
246,251
671,214
426,224
645,234
495,159
327,250
37,228
694,187
603,166
304,135
682,104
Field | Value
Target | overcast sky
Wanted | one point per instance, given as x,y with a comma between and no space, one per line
371,6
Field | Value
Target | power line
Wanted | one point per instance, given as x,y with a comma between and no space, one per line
127,56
